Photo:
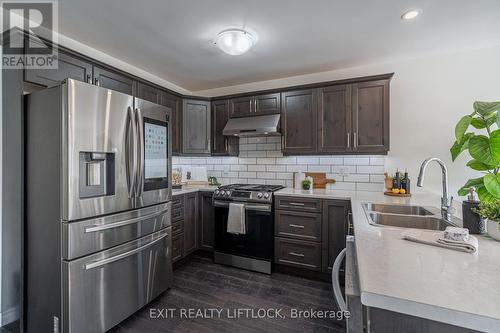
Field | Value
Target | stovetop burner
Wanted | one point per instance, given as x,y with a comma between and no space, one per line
247,192
251,187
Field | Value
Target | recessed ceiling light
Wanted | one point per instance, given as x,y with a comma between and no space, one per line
234,41
410,15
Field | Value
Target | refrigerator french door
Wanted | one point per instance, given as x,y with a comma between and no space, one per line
115,151
98,211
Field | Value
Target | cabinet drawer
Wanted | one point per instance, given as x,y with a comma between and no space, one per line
178,202
295,203
177,228
177,247
300,225
177,214
297,253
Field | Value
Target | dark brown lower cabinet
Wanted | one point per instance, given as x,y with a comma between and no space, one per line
190,222
335,215
177,247
310,240
206,222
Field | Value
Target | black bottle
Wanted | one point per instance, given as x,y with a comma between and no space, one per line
396,183
405,183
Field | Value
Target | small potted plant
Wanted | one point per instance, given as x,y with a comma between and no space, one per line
306,184
490,210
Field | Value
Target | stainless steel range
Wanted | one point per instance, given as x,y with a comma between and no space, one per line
244,226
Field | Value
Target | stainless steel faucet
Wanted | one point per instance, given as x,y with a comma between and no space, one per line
447,209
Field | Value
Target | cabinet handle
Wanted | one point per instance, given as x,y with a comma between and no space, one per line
296,254
89,79
348,139
355,140
296,226
255,105
250,104
296,204
96,82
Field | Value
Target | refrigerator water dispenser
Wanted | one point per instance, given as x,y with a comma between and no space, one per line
97,174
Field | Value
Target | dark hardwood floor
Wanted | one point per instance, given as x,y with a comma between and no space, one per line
201,284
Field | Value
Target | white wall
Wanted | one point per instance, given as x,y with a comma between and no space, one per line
428,96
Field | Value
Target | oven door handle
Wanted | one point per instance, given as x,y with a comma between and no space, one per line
254,207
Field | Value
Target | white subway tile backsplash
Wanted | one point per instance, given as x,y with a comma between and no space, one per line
276,168
256,154
238,167
370,169
258,167
261,161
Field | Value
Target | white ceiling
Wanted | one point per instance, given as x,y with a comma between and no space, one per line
173,39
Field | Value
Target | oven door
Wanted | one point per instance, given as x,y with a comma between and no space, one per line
257,242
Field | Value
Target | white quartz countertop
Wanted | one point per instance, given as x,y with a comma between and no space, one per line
454,287
191,189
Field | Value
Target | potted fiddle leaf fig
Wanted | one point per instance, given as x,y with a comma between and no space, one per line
483,146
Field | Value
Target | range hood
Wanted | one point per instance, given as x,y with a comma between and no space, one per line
253,126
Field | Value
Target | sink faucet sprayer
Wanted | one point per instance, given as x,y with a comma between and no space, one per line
447,209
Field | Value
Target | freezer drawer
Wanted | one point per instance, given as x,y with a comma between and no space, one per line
94,235
102,289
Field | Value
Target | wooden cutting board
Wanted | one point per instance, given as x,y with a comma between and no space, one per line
319,179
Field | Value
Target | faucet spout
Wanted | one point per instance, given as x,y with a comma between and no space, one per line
446,203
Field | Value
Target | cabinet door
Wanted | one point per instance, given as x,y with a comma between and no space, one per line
148,93
222,145
113,80
334,230
190,221
175,104
371,117
241,107
334,119
196,127
267,104
68,67
206,219
299,121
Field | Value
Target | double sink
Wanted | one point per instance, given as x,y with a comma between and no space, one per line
405,216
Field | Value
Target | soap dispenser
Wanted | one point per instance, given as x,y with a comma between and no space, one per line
471,219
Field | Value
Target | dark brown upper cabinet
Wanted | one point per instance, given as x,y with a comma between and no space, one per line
148,93
371,116
68,67
299,121
334,119
113,80
175,104
222,145
255,105
196,127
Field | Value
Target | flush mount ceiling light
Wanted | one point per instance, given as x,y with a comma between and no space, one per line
234,41
410,15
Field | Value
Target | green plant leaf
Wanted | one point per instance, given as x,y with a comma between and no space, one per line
479,166
484,195
461,127
459,147
479,149
478,123
492,184
484,107
495,146
498,119
474,182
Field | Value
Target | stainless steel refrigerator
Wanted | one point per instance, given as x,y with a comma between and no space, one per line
97,207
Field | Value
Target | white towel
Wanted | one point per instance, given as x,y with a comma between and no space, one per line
236,219
437,239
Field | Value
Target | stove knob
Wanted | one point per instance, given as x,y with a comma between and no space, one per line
228,193
266,195
217,192
222,192
259,195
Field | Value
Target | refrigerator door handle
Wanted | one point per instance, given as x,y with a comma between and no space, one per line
103,227
140,152
123,255
130,152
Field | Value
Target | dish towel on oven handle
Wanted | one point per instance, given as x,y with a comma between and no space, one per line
236,223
